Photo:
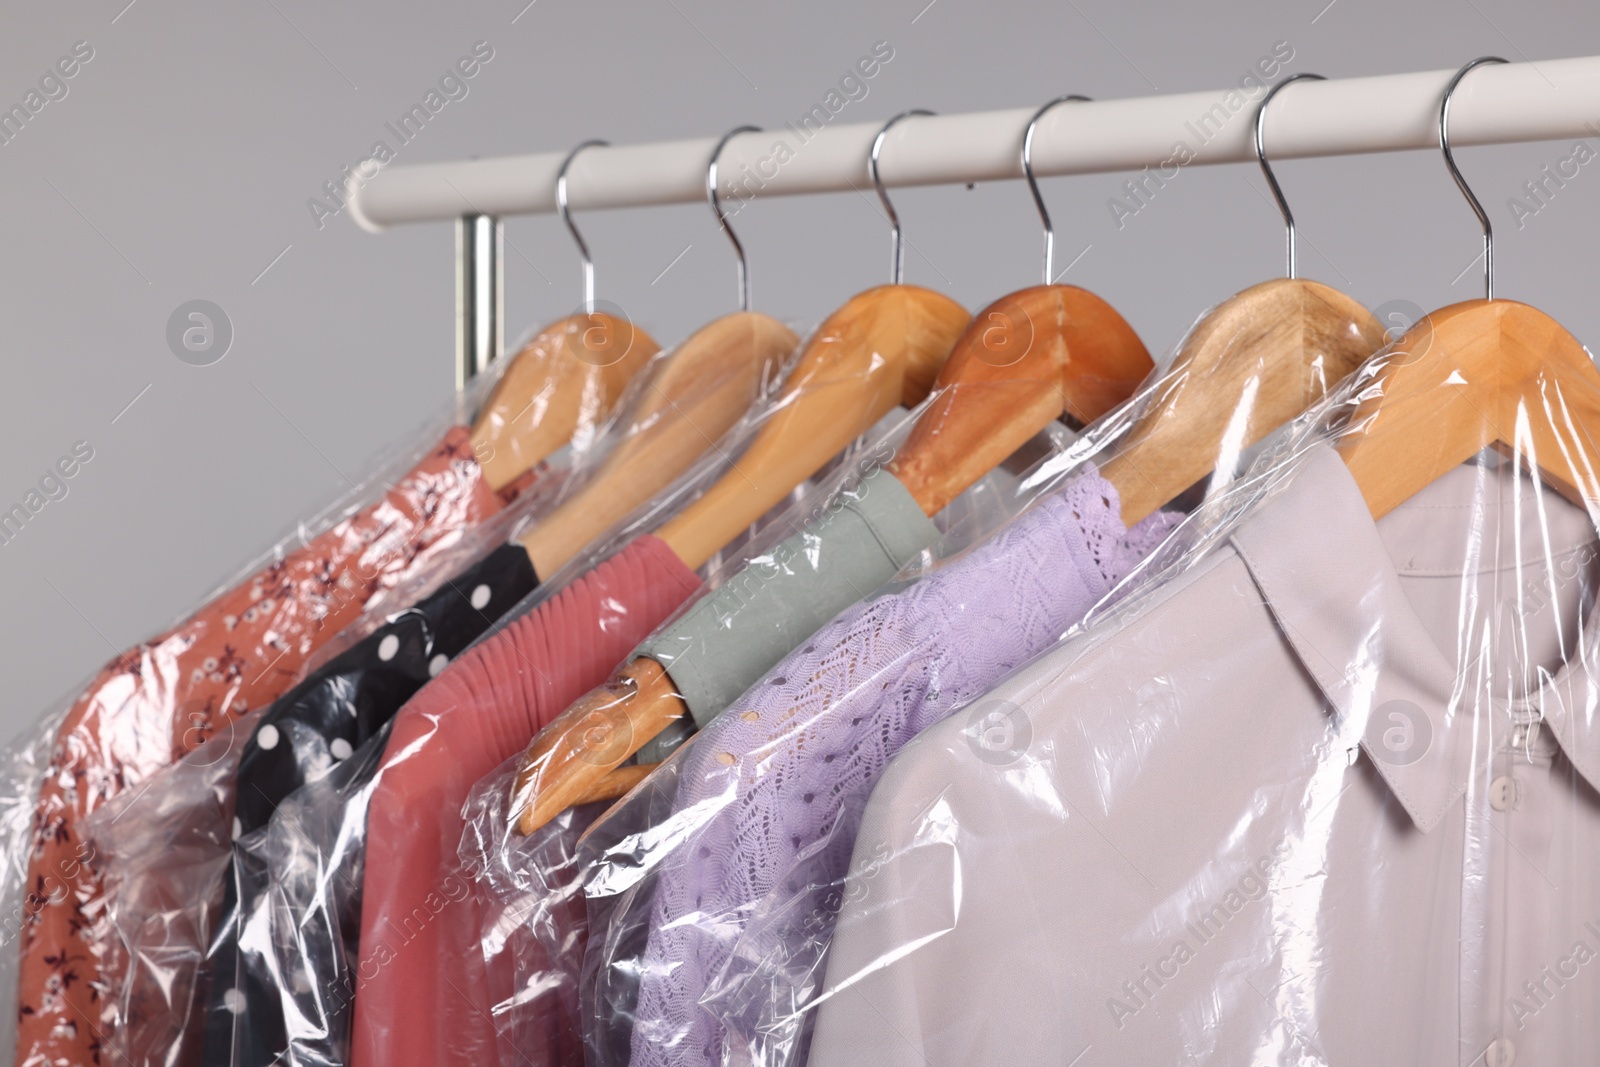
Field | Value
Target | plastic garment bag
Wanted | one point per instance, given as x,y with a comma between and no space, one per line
359,682
316,878
1327,794
181,951
763,802
536,917
907,660
175,968
168,695
714,888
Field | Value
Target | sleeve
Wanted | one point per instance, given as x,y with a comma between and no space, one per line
727,640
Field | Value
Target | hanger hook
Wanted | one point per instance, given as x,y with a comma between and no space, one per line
1266,168
566,217
1455,172
1033,185
897,265
722,219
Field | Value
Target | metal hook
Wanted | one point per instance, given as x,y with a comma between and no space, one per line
722,219
1461,183
1033,185
1266,168
566,217
897,264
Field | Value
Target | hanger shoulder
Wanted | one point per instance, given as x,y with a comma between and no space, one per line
574,753
569,374
883,348
1468,376
699,392
744,345
1254,363
1026,359
617,784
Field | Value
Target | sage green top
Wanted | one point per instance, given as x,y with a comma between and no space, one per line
730,638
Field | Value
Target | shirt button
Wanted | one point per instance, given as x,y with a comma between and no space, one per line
1500,1053
1503,796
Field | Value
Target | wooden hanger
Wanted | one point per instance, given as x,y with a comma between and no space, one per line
1468,376
1475,374
1075,356
1255,362
705,386
1026,360
883,348
699,393
570,374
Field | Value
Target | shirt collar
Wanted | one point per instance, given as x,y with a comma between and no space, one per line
1326,573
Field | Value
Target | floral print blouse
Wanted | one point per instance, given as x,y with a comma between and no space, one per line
164,698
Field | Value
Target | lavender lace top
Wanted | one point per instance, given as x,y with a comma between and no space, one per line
784,772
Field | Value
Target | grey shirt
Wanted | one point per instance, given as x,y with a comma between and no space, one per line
1327,797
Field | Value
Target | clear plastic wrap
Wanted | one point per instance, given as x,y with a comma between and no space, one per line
763,799
535,926
712,888
535,922
171,693
1316,787
179,987
173,885
316,877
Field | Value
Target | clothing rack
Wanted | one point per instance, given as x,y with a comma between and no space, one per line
1502,104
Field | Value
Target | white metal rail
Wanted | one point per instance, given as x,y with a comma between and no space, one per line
1546,100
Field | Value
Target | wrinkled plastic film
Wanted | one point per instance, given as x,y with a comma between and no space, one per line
410,510
547,946
159,906
533,919
1319,790
713,888
676,494
639,421
164,870
300,944
177,966
324,1040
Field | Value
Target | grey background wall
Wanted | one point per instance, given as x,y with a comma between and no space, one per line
181,159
